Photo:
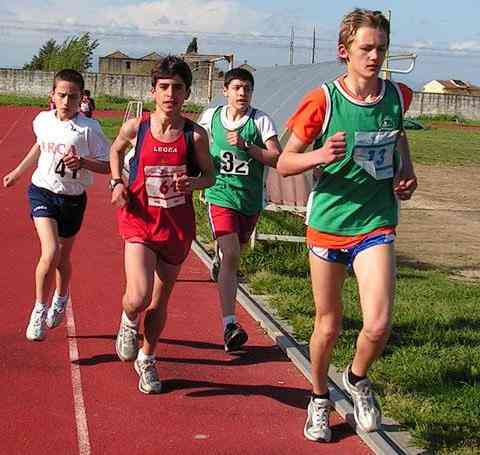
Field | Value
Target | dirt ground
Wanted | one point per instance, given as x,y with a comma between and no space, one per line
440,226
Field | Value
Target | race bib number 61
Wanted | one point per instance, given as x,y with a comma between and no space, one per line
161,185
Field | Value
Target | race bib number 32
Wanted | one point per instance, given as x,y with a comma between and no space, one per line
161,185
230,164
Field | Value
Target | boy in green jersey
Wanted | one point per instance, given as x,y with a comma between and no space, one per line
356,125
243,141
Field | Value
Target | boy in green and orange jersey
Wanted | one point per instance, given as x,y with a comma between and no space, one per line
356,125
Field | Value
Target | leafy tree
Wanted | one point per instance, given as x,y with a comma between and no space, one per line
192,48
45,53
75,52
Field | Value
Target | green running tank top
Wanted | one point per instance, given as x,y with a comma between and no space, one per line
239,178
355,195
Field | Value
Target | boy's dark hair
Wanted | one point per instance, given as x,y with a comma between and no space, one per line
238,73
86,92
69,75
361,18
171,66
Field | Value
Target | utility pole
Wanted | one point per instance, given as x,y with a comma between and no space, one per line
313,46
292,39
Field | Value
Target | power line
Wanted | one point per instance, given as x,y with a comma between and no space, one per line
258,38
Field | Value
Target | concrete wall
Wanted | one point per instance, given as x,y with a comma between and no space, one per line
39,83
465,106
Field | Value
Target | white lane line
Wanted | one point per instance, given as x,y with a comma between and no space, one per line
14,124
79,404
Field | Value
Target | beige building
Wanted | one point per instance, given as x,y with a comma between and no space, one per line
202,65
119,63
452,87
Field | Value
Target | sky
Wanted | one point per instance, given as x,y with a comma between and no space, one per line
444,35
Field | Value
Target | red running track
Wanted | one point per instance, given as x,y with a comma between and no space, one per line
70,394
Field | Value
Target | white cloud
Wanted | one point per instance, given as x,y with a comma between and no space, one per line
212,16
423,44
470,45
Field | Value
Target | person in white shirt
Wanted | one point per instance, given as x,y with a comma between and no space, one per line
244,142
68,148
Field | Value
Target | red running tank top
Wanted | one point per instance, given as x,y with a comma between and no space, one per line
156,211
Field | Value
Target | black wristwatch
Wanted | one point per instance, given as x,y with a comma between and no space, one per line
247,145
115,182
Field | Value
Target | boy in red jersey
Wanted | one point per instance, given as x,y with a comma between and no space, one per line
356,124
156,215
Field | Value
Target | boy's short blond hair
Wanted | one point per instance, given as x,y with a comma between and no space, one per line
361,18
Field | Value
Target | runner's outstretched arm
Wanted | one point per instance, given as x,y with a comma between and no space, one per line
205,163
127,134
30,159
406,182
293,161
269,155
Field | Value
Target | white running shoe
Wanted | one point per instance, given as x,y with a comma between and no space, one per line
149,381
36,325
56,312
366,410
126,344
317,426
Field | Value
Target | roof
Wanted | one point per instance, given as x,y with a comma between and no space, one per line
279,89
247,67
195,57
116,54
456,84
151,56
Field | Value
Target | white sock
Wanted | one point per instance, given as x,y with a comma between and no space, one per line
142,357
126,320
230,319
60,299
39,306
56,295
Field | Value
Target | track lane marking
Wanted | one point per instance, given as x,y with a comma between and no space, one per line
79,403
12,127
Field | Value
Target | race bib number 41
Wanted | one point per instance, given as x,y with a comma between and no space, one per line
374,152
230,164
161,185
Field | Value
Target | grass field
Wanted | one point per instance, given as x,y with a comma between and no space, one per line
443,146
429,376
102,103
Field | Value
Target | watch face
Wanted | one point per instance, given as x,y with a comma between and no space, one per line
114,183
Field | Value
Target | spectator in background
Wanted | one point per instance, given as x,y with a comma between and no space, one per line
87,104
51,103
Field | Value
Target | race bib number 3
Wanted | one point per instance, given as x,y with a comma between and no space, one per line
230,164
374,152
161,185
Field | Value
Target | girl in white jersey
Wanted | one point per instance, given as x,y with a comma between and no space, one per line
68,148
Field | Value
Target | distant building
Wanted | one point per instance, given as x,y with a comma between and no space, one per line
201,64
452,87
247,67
119,63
